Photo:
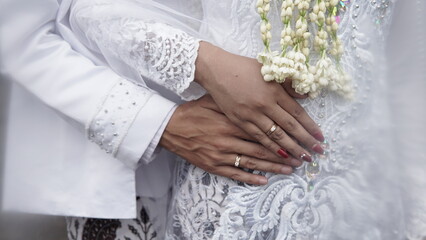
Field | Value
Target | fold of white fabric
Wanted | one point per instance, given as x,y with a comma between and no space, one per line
407,79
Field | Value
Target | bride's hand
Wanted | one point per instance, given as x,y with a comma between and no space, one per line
238,88
205,137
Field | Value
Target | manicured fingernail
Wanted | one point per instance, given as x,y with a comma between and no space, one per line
318,149
282,153
318,136
306,157
263,181
285,170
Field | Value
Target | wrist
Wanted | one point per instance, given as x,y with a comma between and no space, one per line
205,63
167,137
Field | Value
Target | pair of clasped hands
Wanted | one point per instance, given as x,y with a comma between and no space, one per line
244,121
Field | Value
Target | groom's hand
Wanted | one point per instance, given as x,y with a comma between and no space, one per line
205,137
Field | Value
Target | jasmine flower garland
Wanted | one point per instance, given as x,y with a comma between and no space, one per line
296,55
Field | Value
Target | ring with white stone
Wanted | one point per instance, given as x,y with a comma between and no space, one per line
272,129
237,160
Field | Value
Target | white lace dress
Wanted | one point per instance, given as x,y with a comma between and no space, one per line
344,194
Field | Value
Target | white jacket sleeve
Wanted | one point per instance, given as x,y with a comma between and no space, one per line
94,99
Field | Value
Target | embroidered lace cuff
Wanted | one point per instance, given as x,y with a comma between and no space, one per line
159,52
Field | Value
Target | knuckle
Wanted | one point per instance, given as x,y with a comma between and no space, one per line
250,164
221,146
274,169
290,124
259,104
209,168
269,145
236,176
298,112
216,158
260,153
278,135
258,135
221,128
243,113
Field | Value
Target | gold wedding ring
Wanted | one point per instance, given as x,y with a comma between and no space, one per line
272,129
237,160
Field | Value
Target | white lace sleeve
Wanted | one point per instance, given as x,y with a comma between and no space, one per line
157,51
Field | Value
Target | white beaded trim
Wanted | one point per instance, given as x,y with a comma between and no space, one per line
117,113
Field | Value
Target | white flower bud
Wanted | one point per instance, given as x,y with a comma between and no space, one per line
306,5
268,77
274,68
313,17
322,6
298,23
289,12
306,35
267,7
263,28
266,69
323,81
288,40
305,51
321,16
335,26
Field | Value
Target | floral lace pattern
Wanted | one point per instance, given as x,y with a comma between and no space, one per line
140,228
160,53
116,114
324,200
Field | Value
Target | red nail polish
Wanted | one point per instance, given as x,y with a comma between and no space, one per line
282,153
318,136
306,157
318,149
